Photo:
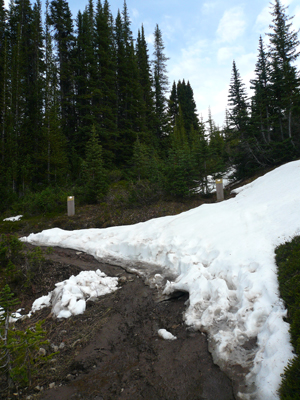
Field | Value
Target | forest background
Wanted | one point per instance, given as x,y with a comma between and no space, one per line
85,111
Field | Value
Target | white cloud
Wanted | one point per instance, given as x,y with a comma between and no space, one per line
296,20
232,25
263,20
226,54
286,3
135,13
209,7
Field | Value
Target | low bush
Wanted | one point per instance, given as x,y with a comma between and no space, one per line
288,262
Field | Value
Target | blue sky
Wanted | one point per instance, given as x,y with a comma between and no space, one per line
202,38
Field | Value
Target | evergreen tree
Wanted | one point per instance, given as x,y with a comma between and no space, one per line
145,82
238,113
60,18
260,108
285,82
54,150
173,106
84,63
181,164
186,100
105,96
160,83
94,174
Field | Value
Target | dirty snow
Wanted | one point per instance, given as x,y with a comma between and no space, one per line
223,255
70,296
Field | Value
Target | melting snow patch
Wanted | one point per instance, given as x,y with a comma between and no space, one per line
13,219
163,333
70,296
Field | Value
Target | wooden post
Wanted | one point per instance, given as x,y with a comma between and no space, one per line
71,206
220,190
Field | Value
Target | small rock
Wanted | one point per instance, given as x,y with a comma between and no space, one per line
63,332
53,369
51,385
42,351
37,388
29,398
122,279
69,377
62,346
53,360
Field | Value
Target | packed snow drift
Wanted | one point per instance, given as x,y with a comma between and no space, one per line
222,254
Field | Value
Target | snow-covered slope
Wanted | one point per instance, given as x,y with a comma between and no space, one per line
223,255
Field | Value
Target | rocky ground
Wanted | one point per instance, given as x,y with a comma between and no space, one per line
113,350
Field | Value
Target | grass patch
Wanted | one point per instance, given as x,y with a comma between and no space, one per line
288,262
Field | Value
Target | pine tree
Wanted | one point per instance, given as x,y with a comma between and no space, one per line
94,174
3,85
238,102
180,171
160,83
85,65
60,18
105,96
145,82
285,82
173,106
260,108
186,100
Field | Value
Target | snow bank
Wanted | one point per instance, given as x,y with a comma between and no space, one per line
223,255
70,296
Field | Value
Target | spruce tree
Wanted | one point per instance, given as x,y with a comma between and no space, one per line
105,96
161,83
145,81
285,82
61,19
94,174
261,101
173,106
237,99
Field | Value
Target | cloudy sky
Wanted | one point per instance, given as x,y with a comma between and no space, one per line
202,38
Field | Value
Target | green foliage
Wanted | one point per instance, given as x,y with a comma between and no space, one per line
46,201
10,255
94,174
287,259
19,354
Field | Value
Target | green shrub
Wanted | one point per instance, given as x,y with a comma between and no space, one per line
19,350
288,262
47,201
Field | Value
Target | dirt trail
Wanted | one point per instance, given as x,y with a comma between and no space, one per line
113,351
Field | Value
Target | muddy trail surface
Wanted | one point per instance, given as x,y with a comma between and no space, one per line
113,350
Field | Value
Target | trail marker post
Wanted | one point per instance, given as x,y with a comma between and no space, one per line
71,205
220,189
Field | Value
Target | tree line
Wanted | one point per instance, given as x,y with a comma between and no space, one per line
83,105
264,129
